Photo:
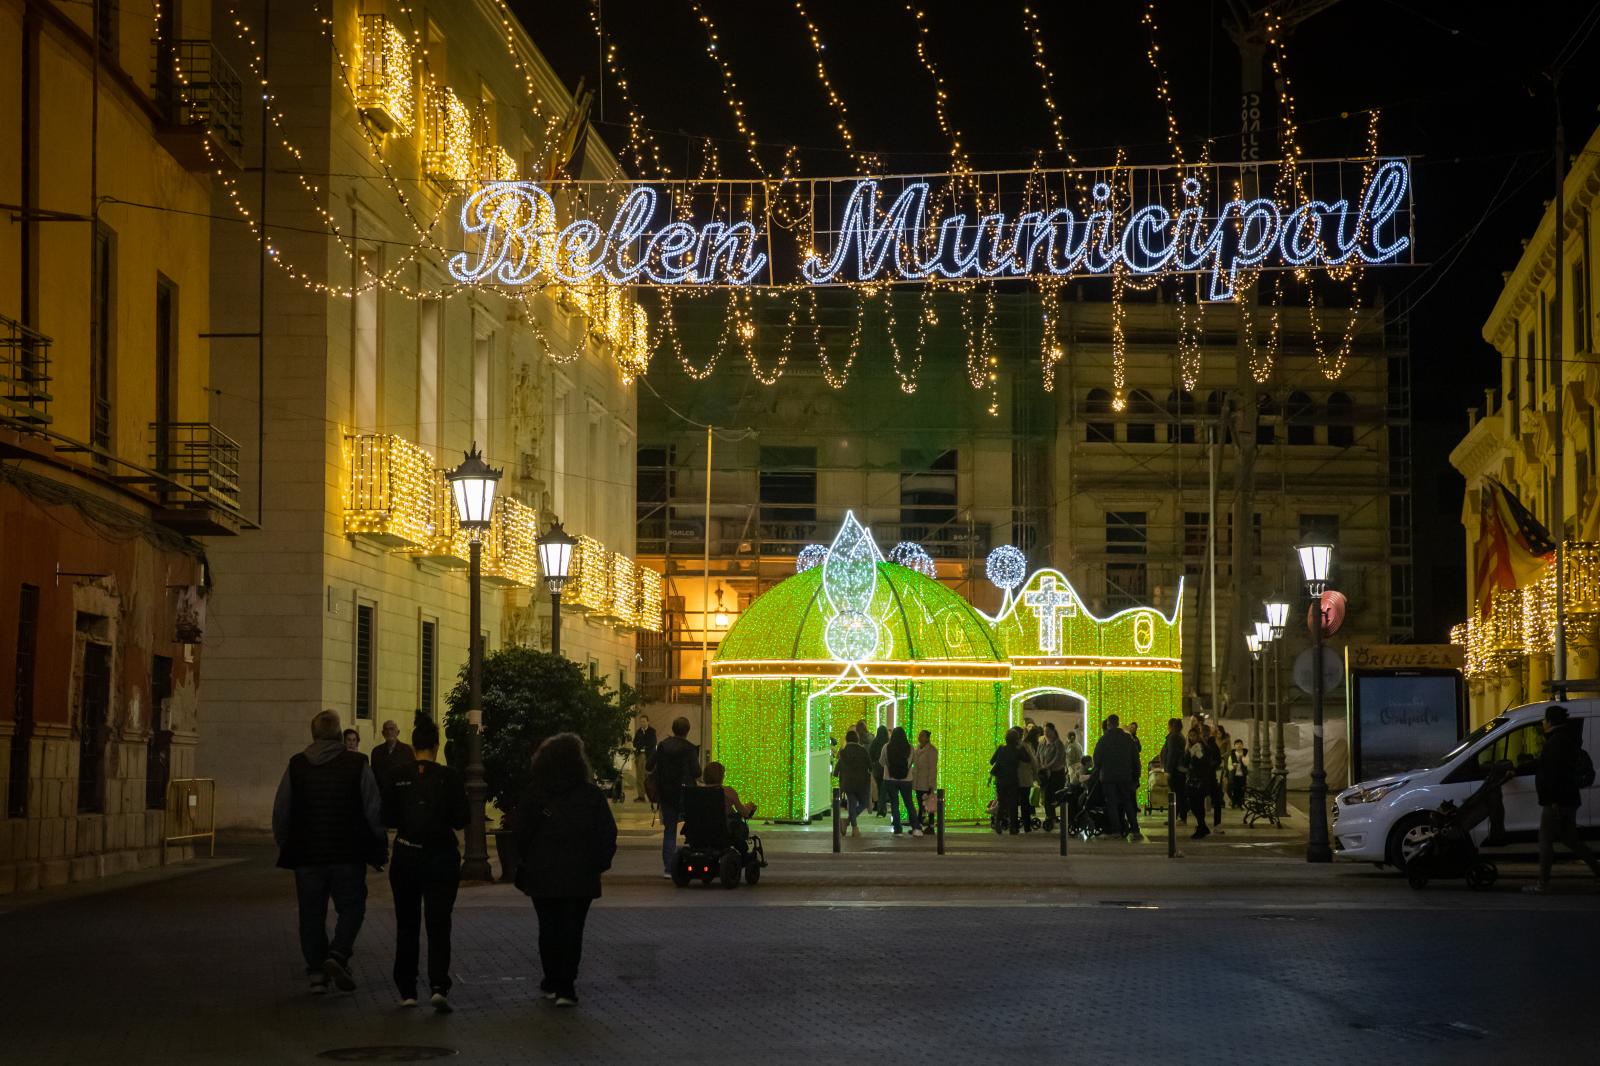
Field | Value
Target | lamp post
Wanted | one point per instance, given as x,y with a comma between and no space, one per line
1263,635
555,563
1278,616
1315,562
472,486
1253,643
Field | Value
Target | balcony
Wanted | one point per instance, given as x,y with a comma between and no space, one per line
395,497
201,103
24,375
199,490
384,91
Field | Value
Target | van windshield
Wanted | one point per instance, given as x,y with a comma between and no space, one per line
1472,738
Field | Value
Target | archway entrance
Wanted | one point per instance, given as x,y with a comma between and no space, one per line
1066,709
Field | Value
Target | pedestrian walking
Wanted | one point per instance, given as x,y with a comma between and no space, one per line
1117,759
880,807
327,820
1238,773
644,746
1216,745
925,775
389,754
567,838
425,803
1197,772
854,770
1052,766
674,767
1004,765
1172,760
895,767
1561,772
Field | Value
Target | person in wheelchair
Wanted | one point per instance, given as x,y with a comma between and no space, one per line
717,841
739,812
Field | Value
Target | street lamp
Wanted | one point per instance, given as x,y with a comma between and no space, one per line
720,619
1315,562
1258,717
472,486
1278,615
555,563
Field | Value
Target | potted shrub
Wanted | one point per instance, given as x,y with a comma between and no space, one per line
529,695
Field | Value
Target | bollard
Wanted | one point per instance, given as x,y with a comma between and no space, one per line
1066,808
836,794
938,819
1172,825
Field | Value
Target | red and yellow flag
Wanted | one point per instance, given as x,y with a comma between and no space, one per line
1513,548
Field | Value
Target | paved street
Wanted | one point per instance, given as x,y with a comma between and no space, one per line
999,951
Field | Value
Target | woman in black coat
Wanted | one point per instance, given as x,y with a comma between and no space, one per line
566,837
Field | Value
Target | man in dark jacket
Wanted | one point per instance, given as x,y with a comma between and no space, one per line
1116,758
855,778
390,754
327,820
644,746
1557,778
425,803
1172,765
880,797
676,765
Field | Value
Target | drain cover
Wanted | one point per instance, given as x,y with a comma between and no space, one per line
387,1053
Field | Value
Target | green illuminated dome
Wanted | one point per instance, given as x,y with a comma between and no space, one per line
919,619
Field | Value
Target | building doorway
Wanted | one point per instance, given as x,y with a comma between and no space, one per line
94,707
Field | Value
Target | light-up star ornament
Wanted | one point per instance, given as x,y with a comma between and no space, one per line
1051,604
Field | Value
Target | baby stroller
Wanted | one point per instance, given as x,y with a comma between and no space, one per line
1449,850
1086,810
717,842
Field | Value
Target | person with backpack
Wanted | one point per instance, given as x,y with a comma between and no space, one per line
1560,774
425,803
854,771
880,805
674,766
895,771
567,838
327,820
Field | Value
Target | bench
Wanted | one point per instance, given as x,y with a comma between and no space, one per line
1263,802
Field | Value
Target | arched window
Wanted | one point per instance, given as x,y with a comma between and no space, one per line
1097,408
1341,421
1302,419
1266,419
1180,417
1142,413
1214,405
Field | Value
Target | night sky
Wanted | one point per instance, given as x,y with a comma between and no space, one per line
1461,86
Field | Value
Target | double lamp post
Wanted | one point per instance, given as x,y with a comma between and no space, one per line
472,487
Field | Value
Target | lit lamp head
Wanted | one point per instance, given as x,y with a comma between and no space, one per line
1316,560
1253,642
1277,616
472,484
1263,633
555,557
720,619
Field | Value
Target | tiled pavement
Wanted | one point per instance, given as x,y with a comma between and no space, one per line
1002,952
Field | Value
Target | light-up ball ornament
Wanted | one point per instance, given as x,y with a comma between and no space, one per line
851,636
1007,567
812,555
913,556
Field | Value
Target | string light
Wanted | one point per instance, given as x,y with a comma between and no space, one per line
384,94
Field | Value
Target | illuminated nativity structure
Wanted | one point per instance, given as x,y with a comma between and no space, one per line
853,636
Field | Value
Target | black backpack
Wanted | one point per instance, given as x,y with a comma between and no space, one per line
1583,769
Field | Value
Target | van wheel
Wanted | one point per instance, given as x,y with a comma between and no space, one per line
1406,838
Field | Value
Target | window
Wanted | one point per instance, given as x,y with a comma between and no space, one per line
1141,418
94,710
166,370
928,491
1533,390
1127,582
22,701
482,369
1520,747
1341,421
1580,318
366,659
1302,415
787,491
105,30
654,483
430,324
102,340
1180,412
1195,528
427,666
364,318
1127,532
158,752
1097,409
1266,419
558,453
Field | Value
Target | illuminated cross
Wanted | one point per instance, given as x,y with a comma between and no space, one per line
1051,604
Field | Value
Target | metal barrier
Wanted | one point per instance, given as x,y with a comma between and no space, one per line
191,813
938,818
837,795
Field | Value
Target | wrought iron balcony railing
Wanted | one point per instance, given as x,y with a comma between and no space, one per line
24,374
195,87
201,459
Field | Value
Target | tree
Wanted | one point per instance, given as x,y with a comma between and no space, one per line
529,695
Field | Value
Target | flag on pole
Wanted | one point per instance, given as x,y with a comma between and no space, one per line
1513,548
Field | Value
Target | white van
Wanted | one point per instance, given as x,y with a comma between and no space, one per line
1385,819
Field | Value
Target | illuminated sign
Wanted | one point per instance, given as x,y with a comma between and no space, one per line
1144,221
